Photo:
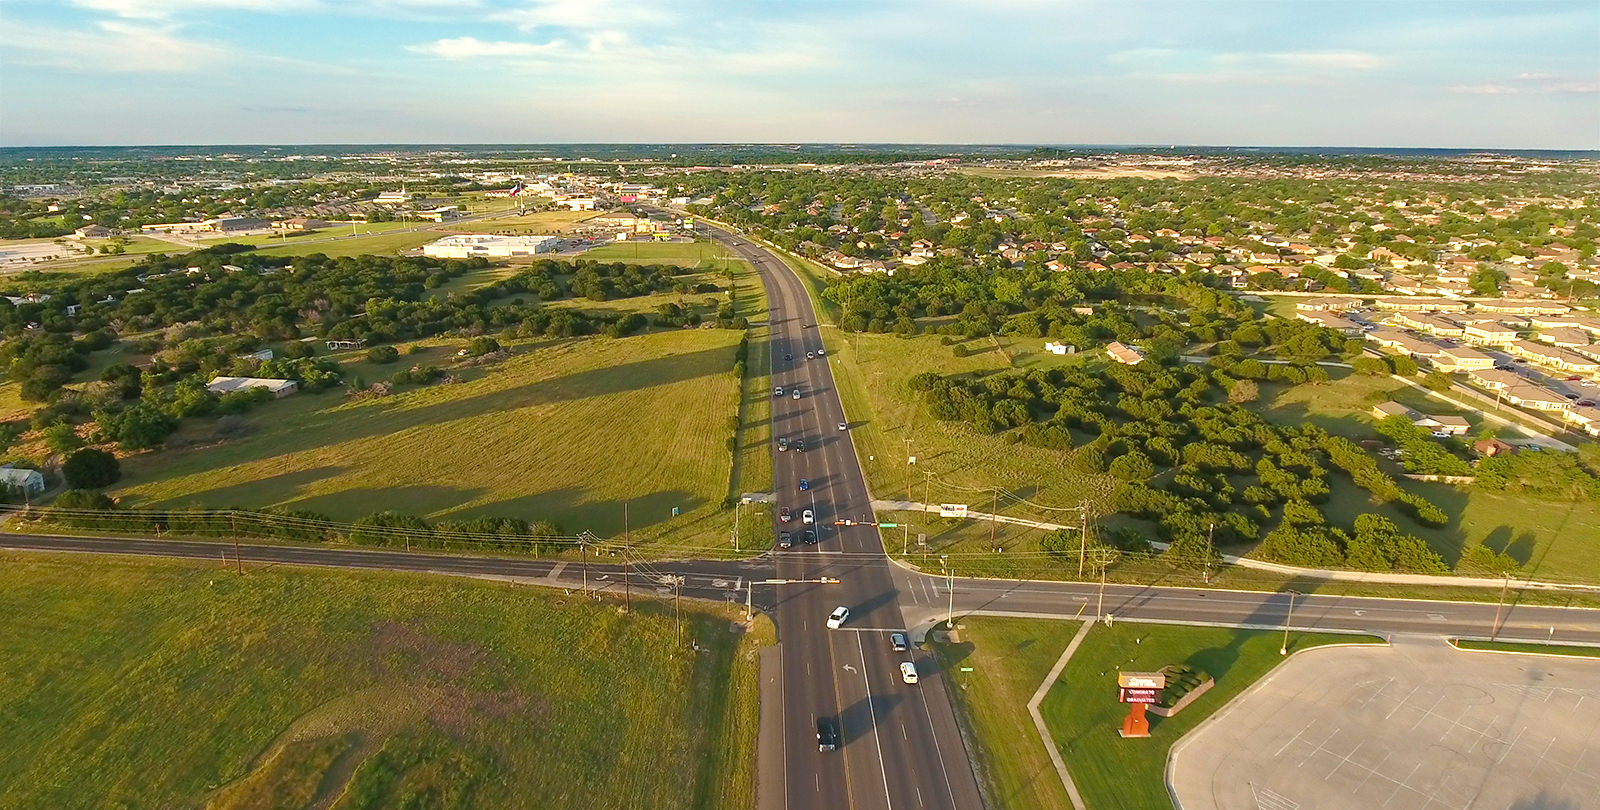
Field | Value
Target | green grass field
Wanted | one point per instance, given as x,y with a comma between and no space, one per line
1516,647
571,431
1011,657
683,254
154,684
337,244
541,222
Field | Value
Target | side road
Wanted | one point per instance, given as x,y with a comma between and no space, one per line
1376,577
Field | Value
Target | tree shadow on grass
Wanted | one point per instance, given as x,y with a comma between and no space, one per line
331,424
267,491
418,499
604,518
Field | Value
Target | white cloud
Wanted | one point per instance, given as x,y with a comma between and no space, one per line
472,48
1488,89
112,47
1331,60
581,14
164,9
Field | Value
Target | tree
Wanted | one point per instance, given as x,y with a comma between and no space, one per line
1369,366
481,346
62,437
1437,381
1403,365
91,469
1244,391
383,354
1133,466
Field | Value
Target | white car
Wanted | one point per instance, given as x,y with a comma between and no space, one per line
807,517
843,426
821,352
908,672
838,617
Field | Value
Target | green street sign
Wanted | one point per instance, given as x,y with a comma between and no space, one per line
966,669
889,525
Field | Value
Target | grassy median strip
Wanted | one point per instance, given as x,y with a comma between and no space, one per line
1520,647
162,684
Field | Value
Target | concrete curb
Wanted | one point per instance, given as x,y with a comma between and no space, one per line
1038,719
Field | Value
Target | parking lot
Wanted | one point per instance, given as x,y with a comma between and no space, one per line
1418,726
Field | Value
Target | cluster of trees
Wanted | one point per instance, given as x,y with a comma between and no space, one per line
1545,475
91,509
1418,450
1206,471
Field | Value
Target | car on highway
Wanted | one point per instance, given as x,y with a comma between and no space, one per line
811,355
799,445
827,735
807,518
788,357
899,642
783,443
809,537
821,351
777,391
838,617
843,426
783,515
908,672
784,541
804,485
796,393
1573,378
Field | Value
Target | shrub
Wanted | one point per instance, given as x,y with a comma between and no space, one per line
383,354
91,469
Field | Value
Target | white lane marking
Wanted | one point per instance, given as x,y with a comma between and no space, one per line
876,741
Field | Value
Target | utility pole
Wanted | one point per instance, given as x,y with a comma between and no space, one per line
1100,606
627,585
1083,540
994,517
1211,532
677,600
583,548
736,524
1506,584
1284,649
238,561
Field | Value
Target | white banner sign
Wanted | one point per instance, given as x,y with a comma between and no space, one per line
958,510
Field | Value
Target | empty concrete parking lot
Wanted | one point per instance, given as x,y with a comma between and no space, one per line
1417,725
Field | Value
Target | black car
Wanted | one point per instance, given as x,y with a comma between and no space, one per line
783,540
827,735
800,445
788,357
809,537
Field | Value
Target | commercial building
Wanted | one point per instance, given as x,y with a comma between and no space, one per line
300,224
231,224
469,245
278,388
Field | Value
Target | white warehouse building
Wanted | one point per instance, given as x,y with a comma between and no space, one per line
468,245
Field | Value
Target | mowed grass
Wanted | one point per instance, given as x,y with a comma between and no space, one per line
1009,659
1084,716
572,431
154,684
683,254
538,222
1518,647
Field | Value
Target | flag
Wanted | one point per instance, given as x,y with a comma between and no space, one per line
516,189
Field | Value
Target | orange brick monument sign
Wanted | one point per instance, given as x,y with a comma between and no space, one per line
1138,690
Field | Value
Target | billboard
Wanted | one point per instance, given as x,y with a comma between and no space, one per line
1142,680
956,510
1138,695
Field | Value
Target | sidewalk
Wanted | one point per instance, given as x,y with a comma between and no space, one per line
1373,577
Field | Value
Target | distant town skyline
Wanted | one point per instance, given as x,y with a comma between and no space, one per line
1522,75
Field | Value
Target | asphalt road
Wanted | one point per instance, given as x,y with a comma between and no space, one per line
901,747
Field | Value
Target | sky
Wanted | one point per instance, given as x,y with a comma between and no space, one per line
1503,75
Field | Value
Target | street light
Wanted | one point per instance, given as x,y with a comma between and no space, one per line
950,587
1284,649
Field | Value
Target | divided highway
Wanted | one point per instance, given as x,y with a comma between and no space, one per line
900,746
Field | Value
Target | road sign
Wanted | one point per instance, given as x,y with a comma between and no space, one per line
888,525
1139,695
955,510
966,669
